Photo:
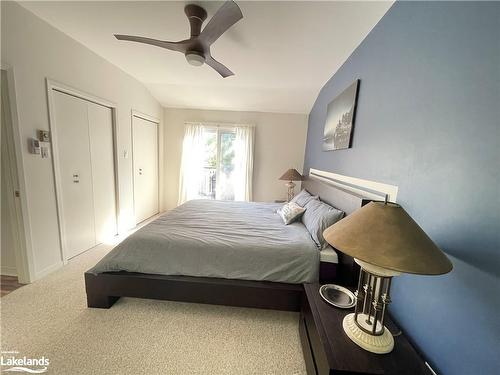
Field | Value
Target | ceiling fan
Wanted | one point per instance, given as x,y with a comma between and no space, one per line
197,47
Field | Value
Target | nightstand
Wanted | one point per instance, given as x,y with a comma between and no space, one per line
279,201
328,350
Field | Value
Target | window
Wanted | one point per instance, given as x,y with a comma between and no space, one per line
217,162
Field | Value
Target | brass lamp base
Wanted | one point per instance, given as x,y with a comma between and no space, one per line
380,344
290,193
366,326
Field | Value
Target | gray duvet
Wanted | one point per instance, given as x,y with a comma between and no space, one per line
233,240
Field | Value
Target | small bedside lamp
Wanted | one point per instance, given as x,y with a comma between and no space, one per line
385,241
290,176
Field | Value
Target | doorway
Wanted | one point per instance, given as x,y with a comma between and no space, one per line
14,263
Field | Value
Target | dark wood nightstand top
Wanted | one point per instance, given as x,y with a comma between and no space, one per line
340,355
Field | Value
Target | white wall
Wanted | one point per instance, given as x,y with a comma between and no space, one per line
36,50
279,145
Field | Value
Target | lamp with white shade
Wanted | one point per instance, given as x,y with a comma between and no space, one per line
385,241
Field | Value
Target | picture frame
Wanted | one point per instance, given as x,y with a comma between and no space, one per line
340,117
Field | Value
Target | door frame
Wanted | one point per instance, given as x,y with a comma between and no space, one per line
24,255
52,86
154,120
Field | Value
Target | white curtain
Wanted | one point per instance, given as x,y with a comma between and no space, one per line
243,155
191,162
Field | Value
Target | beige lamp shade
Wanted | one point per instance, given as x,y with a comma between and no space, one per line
383,234
291,175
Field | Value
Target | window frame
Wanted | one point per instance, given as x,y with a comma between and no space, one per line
219,130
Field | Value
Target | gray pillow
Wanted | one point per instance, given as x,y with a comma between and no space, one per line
303,197
319,216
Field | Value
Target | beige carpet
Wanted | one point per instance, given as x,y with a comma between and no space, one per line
50,318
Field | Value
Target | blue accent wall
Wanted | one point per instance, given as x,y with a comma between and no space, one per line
428,121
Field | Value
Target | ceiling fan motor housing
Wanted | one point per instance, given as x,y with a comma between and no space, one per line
195,58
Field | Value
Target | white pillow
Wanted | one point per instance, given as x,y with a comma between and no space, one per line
290,212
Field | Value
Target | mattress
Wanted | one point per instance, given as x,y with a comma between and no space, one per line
232,240
329,255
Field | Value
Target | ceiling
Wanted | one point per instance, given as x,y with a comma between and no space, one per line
282,53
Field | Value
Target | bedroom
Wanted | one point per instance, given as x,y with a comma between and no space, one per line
425,134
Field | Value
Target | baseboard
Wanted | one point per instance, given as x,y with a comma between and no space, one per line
8,271
48,270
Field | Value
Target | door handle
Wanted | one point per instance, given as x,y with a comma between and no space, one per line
76,178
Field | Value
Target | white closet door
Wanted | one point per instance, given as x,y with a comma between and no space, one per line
103,171
75,172
145,154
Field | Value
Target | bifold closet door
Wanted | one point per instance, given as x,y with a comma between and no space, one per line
75,172
145,154
103,172
85,154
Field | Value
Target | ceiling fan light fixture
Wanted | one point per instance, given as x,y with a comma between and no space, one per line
195,58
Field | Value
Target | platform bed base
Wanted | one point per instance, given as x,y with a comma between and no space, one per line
103,290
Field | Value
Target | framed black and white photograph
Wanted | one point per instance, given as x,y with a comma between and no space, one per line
340,119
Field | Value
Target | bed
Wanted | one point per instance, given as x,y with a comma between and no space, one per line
228,253
219,239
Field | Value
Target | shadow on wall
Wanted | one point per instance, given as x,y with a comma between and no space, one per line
452,310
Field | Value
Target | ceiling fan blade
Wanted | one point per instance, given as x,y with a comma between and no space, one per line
219,68
173,46
227,15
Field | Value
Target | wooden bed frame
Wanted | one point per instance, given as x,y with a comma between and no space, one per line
103,290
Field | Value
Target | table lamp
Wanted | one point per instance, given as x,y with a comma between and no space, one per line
385,241
290,176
